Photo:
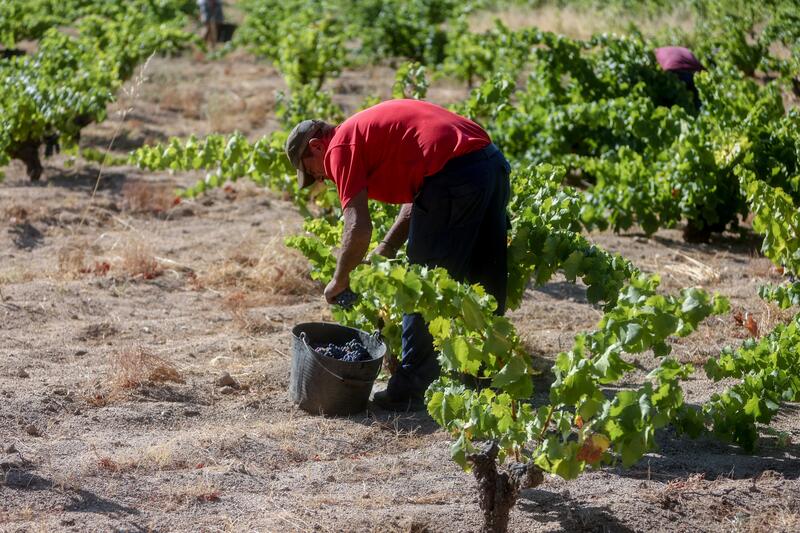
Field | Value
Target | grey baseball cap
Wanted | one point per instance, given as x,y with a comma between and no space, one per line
296,146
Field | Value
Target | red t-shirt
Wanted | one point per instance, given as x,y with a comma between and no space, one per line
390,148
677,58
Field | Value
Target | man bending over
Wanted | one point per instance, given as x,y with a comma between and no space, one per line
453,184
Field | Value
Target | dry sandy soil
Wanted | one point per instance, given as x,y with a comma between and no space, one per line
120,311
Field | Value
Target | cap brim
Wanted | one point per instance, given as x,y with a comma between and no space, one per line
303,179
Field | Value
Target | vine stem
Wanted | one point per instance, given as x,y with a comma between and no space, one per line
546,422
514,417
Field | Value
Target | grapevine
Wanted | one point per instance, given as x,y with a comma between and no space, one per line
70,79
599,113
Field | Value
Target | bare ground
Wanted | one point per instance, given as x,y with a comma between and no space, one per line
120,312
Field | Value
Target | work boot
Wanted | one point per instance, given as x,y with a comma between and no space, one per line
387,402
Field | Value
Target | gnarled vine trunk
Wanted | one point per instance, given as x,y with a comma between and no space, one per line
28,153
499,490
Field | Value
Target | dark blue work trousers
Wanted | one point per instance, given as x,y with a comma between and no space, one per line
459,222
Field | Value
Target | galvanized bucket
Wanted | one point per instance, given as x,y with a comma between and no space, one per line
323,385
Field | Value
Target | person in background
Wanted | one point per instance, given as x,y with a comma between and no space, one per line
453,184
211,17
682,63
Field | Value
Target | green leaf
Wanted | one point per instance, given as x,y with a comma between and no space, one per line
572,265
514,379
461,356
630,333
473,316
439,327
446,407
589,408
459,450
633,449
664,324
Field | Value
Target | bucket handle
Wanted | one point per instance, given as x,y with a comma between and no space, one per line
328,370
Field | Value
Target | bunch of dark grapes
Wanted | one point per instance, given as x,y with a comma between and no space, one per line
346,299
352,352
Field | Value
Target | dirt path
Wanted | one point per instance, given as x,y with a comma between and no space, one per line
117,316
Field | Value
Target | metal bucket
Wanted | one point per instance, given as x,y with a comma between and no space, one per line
323,385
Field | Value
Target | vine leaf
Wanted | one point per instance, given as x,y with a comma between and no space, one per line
514,379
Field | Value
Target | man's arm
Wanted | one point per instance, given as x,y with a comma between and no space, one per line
397,234
355,243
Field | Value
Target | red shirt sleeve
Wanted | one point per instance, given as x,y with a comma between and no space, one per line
347,170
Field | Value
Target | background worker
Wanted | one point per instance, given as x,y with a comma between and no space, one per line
211,17
453,184
682,63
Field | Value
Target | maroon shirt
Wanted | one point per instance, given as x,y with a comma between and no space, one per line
391,147
677,58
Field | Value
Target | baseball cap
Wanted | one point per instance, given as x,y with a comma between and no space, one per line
296,146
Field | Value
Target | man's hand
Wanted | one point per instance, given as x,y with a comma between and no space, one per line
397,234
384,249
334,289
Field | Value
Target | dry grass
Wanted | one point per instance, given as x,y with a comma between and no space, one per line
107,464
356,471
777,519
141,196
74,263
761,267
269,269
259,108
130,369
186,100
758,320
693,270
281,429
72,259
16,275
238,304
23,514
202,491
32,212
678,491
16,214
65,481
98,332
139,262
224,112
201,97
773,315
170,455
579,23
160,456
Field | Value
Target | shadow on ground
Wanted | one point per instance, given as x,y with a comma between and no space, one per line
744,242
25,236
125,141
18,476
564,290
418,423
680,456
85,179
546,507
